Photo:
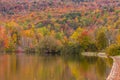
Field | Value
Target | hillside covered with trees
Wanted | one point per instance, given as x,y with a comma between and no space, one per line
60,27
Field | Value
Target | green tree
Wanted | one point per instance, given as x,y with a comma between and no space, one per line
48,44
101,40
113,50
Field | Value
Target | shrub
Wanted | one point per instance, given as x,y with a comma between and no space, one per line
71,49
113,50
48,45
92,47
11,48
29,50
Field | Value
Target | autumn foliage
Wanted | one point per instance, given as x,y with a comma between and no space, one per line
89,25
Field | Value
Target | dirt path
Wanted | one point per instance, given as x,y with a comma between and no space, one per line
115,71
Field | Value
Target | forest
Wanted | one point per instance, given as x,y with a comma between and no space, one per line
60,27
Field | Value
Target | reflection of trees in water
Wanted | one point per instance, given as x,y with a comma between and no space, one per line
14,64
54,68
80,66
36,67
109,62
83,61
50,68
9,64
4,63
88,67
30,67
103,67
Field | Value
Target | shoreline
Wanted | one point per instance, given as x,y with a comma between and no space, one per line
115,71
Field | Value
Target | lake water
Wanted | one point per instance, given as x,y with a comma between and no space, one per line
31,67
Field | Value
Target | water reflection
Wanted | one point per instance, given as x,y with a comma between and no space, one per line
31,67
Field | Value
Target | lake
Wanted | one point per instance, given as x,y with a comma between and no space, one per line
33,67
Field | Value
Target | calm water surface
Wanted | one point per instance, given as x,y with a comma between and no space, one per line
31,67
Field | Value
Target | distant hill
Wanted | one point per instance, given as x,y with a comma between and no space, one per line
43,0
16,6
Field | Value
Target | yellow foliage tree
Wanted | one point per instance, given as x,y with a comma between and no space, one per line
118,39
76,33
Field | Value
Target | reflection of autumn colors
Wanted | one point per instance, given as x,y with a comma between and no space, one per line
24,67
